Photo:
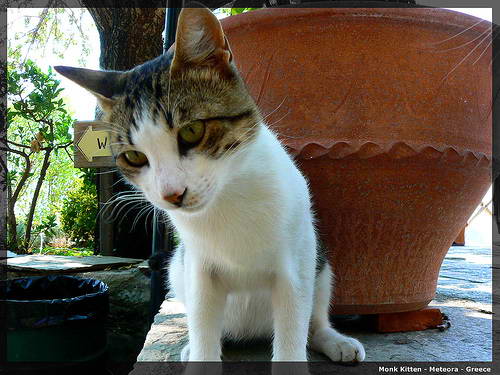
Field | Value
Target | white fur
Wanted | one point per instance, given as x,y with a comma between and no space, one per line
249,249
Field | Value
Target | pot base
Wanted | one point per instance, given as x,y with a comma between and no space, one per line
378,308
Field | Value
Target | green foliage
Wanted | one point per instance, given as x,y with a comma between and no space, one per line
79,252
235,11
38,135
47,226
57,28
36,106
89,179
39,126
79,213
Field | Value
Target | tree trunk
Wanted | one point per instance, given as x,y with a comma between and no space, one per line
129,37
31,214
12,200
11,221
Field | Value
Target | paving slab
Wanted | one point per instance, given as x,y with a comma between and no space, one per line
463,294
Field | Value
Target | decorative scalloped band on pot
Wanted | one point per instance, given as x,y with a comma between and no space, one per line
388,112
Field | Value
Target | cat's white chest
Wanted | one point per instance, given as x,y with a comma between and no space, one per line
242,245
251,228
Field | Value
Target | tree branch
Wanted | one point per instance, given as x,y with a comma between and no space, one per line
8,149
34,33
17,144
63,146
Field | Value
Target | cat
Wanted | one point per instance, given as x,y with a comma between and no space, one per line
188,135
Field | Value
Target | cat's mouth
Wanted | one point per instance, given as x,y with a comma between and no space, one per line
187,207
191,208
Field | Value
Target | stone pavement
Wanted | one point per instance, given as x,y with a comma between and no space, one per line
463,293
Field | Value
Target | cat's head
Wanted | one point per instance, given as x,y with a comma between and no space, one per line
180,123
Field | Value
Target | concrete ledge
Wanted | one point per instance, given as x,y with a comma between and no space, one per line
167,336
468,339
463,294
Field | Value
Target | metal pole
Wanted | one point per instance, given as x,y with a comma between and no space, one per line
162,235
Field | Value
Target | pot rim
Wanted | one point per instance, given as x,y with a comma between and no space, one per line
438,16
396,149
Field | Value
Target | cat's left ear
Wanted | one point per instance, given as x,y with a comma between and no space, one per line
200,42
105,85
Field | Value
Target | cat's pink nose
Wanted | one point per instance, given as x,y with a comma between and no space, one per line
175,198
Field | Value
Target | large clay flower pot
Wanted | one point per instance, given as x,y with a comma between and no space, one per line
388,112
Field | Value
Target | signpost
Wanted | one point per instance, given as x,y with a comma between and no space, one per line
92,145
92,150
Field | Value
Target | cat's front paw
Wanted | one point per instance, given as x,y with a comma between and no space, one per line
185,353
186,356
348,350
337,347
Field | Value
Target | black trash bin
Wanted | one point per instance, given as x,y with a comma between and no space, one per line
55,319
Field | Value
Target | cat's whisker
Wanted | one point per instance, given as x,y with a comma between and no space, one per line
458,34
130,209
153,211
465,44
465,58
141,213
239,138
280,119
109,205
114,170
123,198
120,208
128,197
126,193
484,51
278,107
119,198
490,43
106,205
147,218
137,216
122,179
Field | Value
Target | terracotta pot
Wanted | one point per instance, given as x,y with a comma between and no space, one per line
390,119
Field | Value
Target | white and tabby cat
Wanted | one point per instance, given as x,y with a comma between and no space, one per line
189,136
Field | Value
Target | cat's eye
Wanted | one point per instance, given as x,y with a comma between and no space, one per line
135,158
192,133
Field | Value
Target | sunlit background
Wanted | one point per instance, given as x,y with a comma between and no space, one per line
82,104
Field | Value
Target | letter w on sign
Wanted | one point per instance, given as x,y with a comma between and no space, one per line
92,145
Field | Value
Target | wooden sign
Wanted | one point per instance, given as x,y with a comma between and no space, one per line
92,145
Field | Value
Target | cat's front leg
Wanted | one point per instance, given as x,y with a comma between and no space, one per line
292,304
205,302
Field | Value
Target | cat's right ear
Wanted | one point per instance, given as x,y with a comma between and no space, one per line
105,85
200,41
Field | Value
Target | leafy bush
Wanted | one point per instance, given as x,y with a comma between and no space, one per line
79,213
79,252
